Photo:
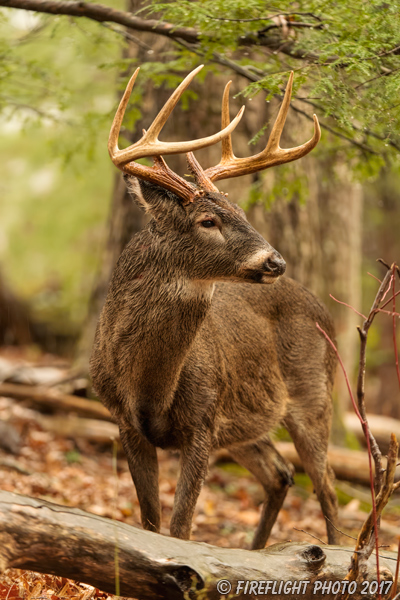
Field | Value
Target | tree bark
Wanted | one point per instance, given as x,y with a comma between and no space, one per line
321,240
124,221
48,538
125,218
15,320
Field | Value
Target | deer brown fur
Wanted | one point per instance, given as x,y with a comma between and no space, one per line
195,351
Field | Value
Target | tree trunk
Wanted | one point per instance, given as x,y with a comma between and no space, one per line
124,221
48,538
321,240
15,320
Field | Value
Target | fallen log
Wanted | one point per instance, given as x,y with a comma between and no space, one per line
349,465
54,400
381,428
77,428
68,542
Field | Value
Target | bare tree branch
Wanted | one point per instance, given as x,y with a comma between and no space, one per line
102,13
294,24
268,17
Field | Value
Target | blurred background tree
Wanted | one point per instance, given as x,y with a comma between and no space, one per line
330,215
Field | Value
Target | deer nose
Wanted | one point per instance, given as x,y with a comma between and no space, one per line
275,264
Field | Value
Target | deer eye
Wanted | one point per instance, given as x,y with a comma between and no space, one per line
208,223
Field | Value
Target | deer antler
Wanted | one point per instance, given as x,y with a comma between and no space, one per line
231,166
150,145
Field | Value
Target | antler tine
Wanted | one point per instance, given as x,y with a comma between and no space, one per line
199,174
149,145
162,117
119,115
231,166
275,136
195,168
227,151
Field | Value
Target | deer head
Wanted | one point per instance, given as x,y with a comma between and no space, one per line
209,237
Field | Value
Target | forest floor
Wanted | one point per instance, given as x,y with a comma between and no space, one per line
77,473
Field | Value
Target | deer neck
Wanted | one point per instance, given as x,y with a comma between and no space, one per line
167,318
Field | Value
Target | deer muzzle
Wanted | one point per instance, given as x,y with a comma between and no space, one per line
263,267
275,265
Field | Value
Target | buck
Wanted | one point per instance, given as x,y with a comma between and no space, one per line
201,344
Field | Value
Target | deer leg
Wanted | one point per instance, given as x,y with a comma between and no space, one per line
194,465
143,465
275,475
310,435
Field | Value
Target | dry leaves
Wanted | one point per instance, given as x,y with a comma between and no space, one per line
80,474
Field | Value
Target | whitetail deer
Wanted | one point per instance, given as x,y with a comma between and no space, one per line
188,355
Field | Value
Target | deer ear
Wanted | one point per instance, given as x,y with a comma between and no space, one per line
152,198
135,190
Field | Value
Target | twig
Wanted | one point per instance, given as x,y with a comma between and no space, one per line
128,36
363,332
311,535
14,465
381,54
342,135
384,263
383,486
366,132
390,300
344,371
348,306
372,445
268,17
371,522
388,287
290,24
101,13
392,314
380,280
360,412
339,530
377,77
